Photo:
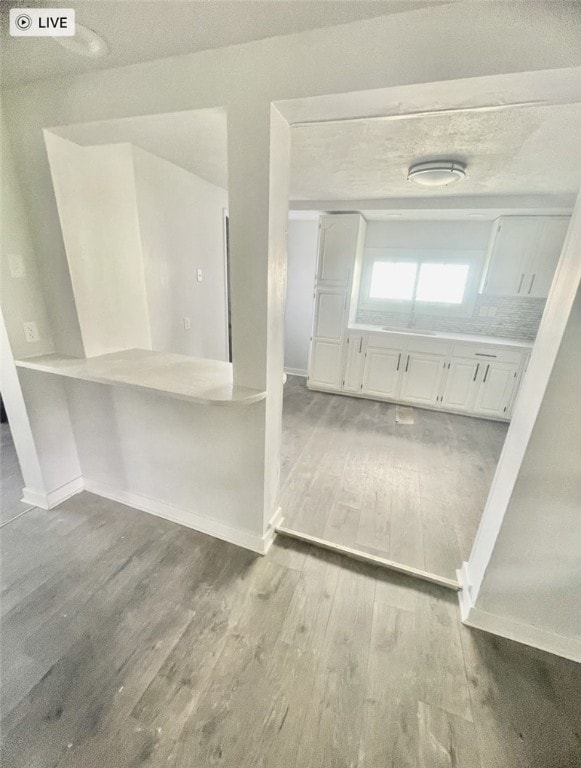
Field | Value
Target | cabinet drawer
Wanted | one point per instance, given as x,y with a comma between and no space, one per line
429,347
385,341
488,354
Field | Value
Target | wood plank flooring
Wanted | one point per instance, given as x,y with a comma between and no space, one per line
128,641
405,484
11,482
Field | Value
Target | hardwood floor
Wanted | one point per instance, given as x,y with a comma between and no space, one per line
11,482
405,484
129,641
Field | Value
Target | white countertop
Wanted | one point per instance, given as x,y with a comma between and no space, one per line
497,341
187,378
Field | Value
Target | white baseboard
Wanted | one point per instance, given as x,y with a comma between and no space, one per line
187,518
296,372
270,534
53,498
512,629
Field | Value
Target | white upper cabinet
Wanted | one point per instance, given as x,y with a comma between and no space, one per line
340,236
523,255
551,237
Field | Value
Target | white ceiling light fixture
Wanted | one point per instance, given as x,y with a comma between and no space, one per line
437,173
86,42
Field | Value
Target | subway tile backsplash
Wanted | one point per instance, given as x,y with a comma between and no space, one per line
515,318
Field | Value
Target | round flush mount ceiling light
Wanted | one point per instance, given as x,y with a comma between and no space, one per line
437,173
86,42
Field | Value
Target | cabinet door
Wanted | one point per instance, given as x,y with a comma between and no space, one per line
338,238
461,384
497,387
325,369
421,379
329,314
549,244
353,364
511,251
381,372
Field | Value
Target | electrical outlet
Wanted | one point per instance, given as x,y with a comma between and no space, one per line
16,265
31,331
483,312
187,324
199,275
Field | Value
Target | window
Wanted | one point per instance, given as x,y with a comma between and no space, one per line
393,280
432,281
442,283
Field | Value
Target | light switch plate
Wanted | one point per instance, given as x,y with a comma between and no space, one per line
187,324
199,275
16,265
31,331
491,311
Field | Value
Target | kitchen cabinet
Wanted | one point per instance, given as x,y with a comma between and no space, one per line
354,357
461,384
381,372
422,378
340,235
494,397
341,238
523,255
326,368
329,317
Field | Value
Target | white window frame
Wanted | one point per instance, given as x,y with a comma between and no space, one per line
474,258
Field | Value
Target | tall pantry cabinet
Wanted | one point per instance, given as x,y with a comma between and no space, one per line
341,241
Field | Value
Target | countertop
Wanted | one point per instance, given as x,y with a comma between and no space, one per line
186,378
496,341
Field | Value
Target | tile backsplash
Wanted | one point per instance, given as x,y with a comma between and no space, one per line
515,318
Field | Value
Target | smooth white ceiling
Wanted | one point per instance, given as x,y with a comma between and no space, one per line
517,151
143,30
196,140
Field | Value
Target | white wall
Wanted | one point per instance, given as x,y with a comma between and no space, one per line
199,465
472,235
302,244
534,574
181,226
95,192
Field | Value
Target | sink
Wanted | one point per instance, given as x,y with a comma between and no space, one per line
408,330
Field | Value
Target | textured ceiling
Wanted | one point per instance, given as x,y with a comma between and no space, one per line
143,30
513,151
517,151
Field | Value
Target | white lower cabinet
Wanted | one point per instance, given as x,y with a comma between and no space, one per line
326,367
461,384
381,372
463,378
496,391
354,356
422,378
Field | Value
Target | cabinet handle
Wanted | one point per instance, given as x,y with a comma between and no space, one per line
522,277
398,361
484,354
360,343
486,374
532,281
407,364
476,371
